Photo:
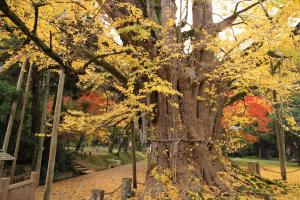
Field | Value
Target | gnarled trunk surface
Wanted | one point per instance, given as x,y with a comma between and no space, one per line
184,137
186,126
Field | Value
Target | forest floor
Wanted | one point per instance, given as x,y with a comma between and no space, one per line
79,188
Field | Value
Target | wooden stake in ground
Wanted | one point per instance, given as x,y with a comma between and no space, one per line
54,136
12,113
19,134
278,127
281,145
134,182
46,81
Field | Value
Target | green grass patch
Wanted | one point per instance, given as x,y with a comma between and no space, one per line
243,161
100,161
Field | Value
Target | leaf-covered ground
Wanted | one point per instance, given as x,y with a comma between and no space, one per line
79,188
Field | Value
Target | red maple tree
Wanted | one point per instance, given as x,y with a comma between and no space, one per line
90,102
256,108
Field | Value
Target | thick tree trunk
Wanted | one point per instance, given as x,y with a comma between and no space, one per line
186,126
19,134
54,136
183,143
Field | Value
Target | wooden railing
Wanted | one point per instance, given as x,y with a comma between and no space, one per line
24,190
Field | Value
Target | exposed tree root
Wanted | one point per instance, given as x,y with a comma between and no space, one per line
211,183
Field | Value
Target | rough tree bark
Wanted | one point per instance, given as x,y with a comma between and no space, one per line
183,133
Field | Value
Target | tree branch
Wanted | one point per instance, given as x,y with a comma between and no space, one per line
18,22
102,56
229,20
49,52
106,66
74,2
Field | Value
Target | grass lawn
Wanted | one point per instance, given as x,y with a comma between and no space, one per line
270,169
243,161
100,161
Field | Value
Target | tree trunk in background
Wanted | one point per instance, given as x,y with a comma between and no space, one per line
19,134
259,150
110,147
281,149
280,136
134,181
46,81
12,113
125,146
54,136
35,101
80,142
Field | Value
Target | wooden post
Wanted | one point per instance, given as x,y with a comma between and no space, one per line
126,188
281,148
97,194
19,134
134,181
4,183
46,81
54,136
279,129
253,168
12,114
34,177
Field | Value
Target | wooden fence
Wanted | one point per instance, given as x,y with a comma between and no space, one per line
24,190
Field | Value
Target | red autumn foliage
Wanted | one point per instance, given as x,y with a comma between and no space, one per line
256,108
90,102
250,138
66,100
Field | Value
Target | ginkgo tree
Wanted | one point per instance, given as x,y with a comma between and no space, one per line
177,76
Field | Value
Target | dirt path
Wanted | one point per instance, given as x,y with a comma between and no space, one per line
79,188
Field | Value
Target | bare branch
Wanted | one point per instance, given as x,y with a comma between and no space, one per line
74,2
265,10
229,20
